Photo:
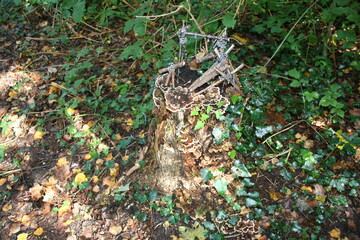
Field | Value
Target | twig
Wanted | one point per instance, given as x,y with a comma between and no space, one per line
287,35
154,17
23,170
136,166
279,154
209,74
284,130
175,66
210,87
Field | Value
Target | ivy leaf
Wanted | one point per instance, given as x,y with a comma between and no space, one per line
134,50
109,164
221,186
217,133
262,131
287,175
229,21
295,83
206,175
153,195
294,73
310,95
204,117
240,170
209,225
79,11
140,216
123,188
250,202
123,143
232,154
174,219
241,192
339,184
199,124
247,183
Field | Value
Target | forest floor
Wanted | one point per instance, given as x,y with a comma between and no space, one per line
63,153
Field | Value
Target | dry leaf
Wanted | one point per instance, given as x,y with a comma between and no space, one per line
62,162
80,178
115,229
115,170
308,144
99,161
39,231
67,223
240,39
70,111
355,112
109,181
102,147
276,196
320,198
22,236
2,181
305,188
95,179
244,210
63,210
7,207
49,194
117,137
109,157
14,228
96,188
38,134
335,233
319,190
54,90
35,191
26,220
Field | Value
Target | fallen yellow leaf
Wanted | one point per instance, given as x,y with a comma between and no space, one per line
62,162
320,198
2,181
38,134
276,196
70,111
7,207
95,179
26,220
305,188
87,156
96,188
35,191
63,210
240,39
12,93
109,156
22,236
80,178
39,231
117,136
68,222
115,229
335,233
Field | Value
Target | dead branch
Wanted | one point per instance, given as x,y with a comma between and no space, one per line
175,66
209,74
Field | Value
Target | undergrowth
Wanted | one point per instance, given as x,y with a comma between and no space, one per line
295,122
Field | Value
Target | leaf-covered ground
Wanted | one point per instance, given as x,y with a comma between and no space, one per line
75,111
